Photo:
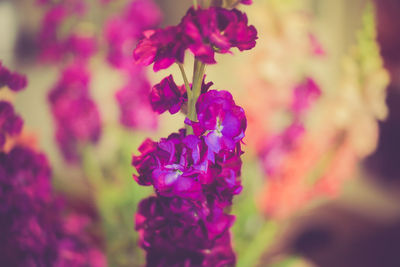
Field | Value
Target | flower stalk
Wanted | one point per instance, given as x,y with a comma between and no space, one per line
194,93
195,174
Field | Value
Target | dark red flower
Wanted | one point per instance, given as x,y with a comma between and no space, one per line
217,30
163,47
166,95
178,232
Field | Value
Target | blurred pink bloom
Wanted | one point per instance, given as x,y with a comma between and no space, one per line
276,149
316,47
135,108
122,32
75,113
304,95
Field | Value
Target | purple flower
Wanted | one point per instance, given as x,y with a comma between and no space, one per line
304,95
75,245
194,176
51,46
166,95
24,191
179,166
145,163
178,232
75,113
175,166
10,123
12,80
220,119
36,229
225,182
32,221
161,47
122,32
217,30
275,150
144,14
25,179
203,31
135,109
81,46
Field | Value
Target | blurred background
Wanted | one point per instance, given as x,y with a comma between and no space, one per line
321,95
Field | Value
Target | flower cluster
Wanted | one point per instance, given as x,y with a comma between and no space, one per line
10,123
35,228
195,172
178,232
276,148
52,47
195,178
76,115
122,33
203,31
12,80
135,110
186,166
166,95
304,95
25,192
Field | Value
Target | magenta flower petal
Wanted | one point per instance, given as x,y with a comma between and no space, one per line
175,231
167,96
10,123
75,113
304,95
217,30
160,46
224,122
13,80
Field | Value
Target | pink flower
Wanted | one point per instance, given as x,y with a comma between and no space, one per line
135,109
161,48
217,30
304,95
13,80
75,113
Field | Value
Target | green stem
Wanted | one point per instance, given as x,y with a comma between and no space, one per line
185,79
198,73
195,4
259,245
92,169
